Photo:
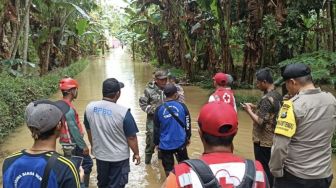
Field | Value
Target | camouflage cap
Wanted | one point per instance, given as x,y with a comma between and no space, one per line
161,74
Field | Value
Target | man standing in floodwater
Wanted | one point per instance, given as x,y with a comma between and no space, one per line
71,137
264,118
152,98
218,166
112,132
301,151
222,93
172,129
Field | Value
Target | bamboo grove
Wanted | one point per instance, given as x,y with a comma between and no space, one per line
234,36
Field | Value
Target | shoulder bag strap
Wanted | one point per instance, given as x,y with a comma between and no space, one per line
249,176
174,116
51,162
204,173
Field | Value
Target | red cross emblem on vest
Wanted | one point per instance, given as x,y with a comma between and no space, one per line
226,98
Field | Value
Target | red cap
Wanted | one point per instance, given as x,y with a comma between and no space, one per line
220,78
215,115
68,83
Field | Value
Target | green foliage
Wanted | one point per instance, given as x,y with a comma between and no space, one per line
322,63
17,92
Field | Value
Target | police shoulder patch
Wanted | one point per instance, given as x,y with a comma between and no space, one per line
286,124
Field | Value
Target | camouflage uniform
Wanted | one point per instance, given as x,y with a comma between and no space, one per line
153,97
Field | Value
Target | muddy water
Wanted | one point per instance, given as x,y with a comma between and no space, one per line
118,64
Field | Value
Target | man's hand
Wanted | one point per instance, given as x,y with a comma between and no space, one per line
81,174
137,159
248,107
86,151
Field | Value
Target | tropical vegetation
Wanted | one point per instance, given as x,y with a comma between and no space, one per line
235,36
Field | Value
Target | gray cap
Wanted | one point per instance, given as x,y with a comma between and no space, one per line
44,115
161,74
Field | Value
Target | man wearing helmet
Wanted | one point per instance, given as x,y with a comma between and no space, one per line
72,133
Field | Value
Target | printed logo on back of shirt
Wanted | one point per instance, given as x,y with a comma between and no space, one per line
102,111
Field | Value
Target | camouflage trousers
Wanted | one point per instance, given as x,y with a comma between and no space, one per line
149,150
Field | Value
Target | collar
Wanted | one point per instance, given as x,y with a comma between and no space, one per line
108,99
310,91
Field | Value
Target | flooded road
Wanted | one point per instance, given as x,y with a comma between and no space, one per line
135,76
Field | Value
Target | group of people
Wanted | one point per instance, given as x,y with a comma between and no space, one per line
291,136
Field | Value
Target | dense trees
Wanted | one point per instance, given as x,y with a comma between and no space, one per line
50,33
235,36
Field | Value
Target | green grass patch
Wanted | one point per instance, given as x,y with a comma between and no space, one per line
17,92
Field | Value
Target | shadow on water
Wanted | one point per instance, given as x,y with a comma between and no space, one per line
135,76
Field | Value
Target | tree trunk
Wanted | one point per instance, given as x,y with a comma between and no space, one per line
16,44
317,30
16,26
43,53
332,21
25,45
224,38
253,47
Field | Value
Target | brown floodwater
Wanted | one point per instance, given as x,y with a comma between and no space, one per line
135,75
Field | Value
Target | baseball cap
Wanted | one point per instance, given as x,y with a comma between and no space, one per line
295,70
220,78
161,74
44,115
170,89
111,85
218,119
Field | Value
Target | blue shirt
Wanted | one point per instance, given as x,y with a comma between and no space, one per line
22,169
168,133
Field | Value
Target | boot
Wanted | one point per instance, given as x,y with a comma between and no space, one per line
148,158
86,180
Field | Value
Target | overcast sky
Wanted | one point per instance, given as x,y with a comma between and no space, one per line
119,3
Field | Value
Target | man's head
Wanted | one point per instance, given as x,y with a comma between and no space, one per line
264,79
220,79
43,118
229,80
218,124
170,91
160,78
69,86
111,88
296,76
173,79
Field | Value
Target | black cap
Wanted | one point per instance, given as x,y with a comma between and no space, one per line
111,85
264,74
169,90
295,70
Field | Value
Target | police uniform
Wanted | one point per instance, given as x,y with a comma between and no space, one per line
301,151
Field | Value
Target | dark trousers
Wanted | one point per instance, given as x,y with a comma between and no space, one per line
181,154
291,181
87,160
263,155
112,174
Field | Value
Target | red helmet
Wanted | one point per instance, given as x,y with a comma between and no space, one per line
68,83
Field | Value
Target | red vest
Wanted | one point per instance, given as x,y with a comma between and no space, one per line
64,132
224,95
228,168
